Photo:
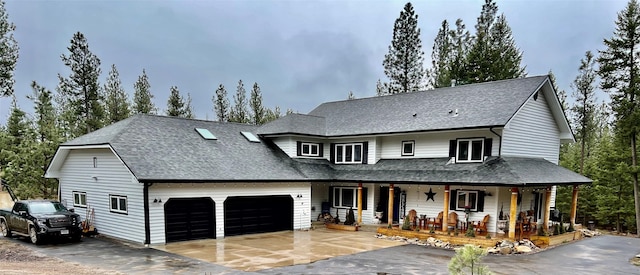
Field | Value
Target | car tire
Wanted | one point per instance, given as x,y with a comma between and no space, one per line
34,236
76,237
4,229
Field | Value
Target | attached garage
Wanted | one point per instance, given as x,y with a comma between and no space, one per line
257,214
189,219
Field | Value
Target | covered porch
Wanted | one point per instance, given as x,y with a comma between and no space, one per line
513,196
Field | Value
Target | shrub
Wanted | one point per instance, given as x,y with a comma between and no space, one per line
468,260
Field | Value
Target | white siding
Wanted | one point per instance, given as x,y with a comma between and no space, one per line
111,177
532,132
431,145
219,193
287,145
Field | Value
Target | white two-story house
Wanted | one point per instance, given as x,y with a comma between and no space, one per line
490,147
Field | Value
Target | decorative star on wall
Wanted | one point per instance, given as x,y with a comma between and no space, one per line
430,195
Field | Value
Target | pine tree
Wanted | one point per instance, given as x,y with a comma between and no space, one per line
271,115
239,111
8,53
562,95
221,104
175,103
142,97
403,65
493,54
460,39
81,90
188,108
116,99
255,102
584,107
619,72
17,124
47,139
441,57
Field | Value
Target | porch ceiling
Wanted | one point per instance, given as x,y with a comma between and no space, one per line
504,171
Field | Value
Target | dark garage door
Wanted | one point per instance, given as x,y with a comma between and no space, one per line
189,219
259,214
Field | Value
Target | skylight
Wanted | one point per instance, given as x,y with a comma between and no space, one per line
250,136
206,134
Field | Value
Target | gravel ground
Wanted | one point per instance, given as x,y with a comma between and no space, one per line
16,258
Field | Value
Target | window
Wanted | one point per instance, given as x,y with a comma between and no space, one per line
250,137
118,204
470,150
408,147
347,197
463,198
348,153
310,149
80,199
204,133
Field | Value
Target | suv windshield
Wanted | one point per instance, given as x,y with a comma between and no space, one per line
45,207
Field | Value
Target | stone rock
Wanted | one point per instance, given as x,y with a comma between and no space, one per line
638,256
506,243
523,249
431,240
493,250
505,250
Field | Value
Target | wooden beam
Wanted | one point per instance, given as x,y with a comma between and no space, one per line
513,215
547,208
390,214
574,206
445,211
359,203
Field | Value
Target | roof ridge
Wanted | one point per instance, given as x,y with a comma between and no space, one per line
435,89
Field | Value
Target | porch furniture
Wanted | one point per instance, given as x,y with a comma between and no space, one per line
525,222
422,223
453,220
413,218
481,225
435,222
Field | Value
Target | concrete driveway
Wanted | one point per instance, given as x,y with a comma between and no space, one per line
269,250
599,255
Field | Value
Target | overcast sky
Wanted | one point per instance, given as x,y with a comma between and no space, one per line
301,53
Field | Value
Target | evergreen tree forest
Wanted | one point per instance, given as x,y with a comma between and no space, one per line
606,131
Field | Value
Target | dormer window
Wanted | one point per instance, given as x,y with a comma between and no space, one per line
348,153
309,149
470,149
408,146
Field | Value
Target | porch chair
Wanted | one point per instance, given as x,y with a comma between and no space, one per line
453,220
481,225
525,221
413,218
435,222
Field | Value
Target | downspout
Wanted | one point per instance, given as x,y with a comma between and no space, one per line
147,227
500,140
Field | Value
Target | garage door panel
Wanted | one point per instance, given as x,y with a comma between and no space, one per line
189,219
259,214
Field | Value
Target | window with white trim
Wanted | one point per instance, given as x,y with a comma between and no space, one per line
345,197
470,150
310,149
118,204
348,153
466,198
79,199
408,147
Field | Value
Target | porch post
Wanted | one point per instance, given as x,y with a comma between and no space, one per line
390,214
574,206
513,215
359,203
547,209
445,211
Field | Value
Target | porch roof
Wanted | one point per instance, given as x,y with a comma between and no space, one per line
497,171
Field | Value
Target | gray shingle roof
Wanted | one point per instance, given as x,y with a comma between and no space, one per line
514,171
169,149
478,105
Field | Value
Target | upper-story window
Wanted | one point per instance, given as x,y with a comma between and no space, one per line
348,153
470,150
309,149
408,147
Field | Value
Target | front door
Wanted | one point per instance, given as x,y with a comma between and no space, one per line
384,203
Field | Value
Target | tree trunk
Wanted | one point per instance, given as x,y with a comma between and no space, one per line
636,192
